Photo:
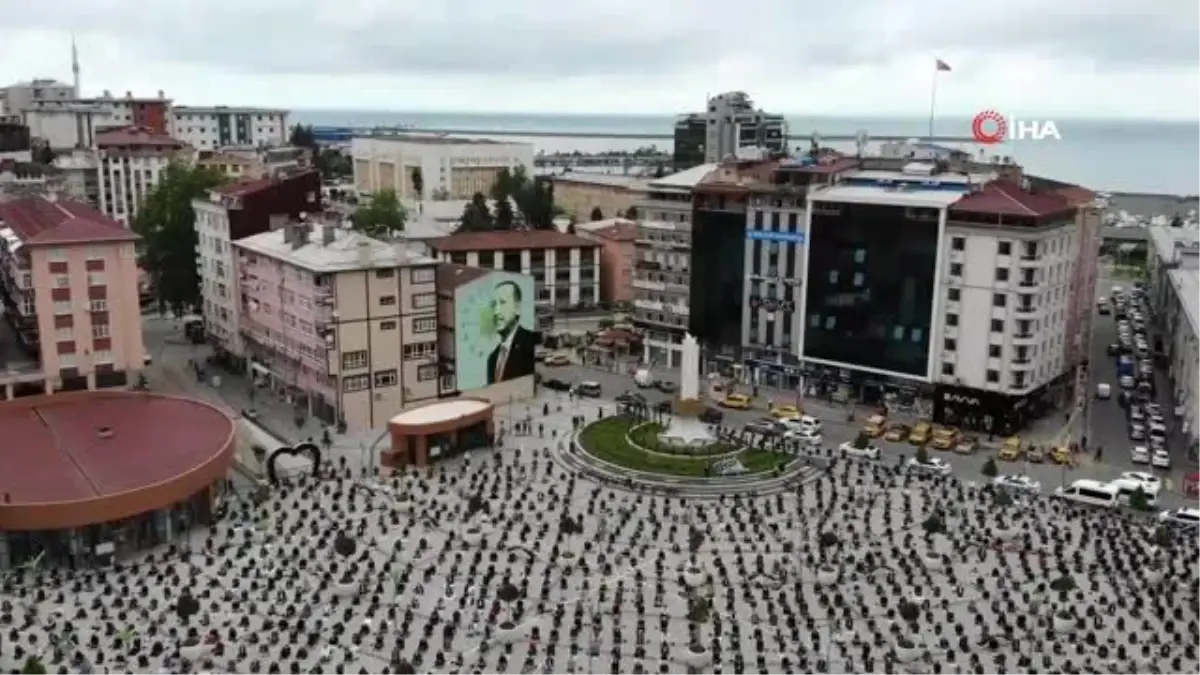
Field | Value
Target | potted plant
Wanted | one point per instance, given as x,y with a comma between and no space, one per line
1064,619
696,656
33,666
907,649
932,561
508,632
827,574
193,650
989,468
346,587
693,576
472,535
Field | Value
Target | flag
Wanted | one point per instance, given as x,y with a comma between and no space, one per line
942,66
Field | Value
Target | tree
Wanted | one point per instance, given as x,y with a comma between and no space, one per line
1139,501
922,454
659,171
476,216
861,441
989,468
505,218
33,666
597,214
571,227
167,225
332,163
418,182
631,213
43,154
382,216
534,198
302,137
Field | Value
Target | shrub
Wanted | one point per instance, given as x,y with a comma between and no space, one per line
861,441
909,611
1162,536
989,468
934,524
1138,501
922,454
828,540
1063,584
1002,498
33,666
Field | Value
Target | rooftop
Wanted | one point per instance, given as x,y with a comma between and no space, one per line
601,179
136,136
912,195
348,251
686,179
1006,198
427,139
827,162
210,109
1170,243
509,240
1186,282
43,221
451,276
241,188
615,229
441,411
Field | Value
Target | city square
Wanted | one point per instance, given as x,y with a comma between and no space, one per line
503,560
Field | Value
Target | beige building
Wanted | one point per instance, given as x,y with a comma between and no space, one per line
344,324
449,168
579,193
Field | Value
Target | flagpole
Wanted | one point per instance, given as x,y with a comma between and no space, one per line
933,98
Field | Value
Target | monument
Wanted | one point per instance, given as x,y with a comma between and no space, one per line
685,427
689,369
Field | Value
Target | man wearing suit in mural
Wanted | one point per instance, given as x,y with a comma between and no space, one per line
514,356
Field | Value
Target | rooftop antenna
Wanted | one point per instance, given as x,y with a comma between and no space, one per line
814,148
860,142
75,65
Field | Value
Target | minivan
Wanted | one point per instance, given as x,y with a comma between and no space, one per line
589,389
1091,492
1126,487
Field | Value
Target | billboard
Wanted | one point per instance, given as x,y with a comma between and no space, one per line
494,329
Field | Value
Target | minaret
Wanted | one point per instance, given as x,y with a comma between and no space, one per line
75,64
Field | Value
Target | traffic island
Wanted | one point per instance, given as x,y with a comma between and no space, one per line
609,441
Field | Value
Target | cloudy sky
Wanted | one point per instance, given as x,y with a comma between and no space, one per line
1095,58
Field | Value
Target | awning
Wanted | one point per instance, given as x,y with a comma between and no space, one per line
259,369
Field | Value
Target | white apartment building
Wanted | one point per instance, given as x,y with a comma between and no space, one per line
565,267
220,305
1174,296
21,96
214,127
449,168
130,163
662,264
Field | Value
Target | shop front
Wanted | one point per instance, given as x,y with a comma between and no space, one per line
990,412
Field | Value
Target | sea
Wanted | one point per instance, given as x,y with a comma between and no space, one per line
1157,157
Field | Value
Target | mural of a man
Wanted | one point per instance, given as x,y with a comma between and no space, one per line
514,356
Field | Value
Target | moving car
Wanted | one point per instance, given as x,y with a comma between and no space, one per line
920,433
1186,517
589,389
1149,481
897,432
556,385
967,445
736,401
643,379
935,465
875,426
1011,450
785,412
712,416
1019,482
945,438
807,436
557,359
1035,454
1160,458
765,425
1103,391
1091,492
1139,454
870,452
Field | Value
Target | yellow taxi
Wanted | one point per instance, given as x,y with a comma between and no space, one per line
897,432
876,425
1061,454
786,412
945,438
736,401
1011,450
920,433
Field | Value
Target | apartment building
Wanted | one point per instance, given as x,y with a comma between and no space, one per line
131,160
447,168
616,237
662,264
232,212
1173,290
213,127
580,193
252,163
565,267
21,96
72,123
735,124
69,284
345,325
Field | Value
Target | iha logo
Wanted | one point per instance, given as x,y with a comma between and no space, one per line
990,127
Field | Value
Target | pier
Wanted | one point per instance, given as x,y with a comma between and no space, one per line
329,134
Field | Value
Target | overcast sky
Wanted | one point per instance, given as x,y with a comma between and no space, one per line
1095,58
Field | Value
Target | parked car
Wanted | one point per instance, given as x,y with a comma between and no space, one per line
848,448
736,401
967,445
875,426
1018,482
945,438
1035,454
1185,517
897,433
1137,432
920,433
558,359
1011,450
935,465
556,385
1139,454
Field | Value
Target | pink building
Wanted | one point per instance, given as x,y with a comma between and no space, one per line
69,283
616,237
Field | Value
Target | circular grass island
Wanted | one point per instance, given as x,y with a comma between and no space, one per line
608,440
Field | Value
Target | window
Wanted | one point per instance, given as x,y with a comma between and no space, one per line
426,275
994,351
958,243
64,334
57,254
424,300
426,373
953,295
997,326
999,299
424,325
387,300
948,369
1001,274
419,350
386,378
387,325
62,307
385,274
102,356
951,319
100,330
62,281
993,376
956,269
354,360
949,344
1004,248
355,383
95,278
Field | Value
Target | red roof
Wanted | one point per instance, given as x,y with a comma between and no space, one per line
1006,198
244,187
509,240
136,136
38,220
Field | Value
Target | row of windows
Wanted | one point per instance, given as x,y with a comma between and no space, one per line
381,379
64,306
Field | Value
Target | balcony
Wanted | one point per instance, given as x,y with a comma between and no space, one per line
1025,310
1025,363
649,305
647,285
1023,338
1030,284
1029,260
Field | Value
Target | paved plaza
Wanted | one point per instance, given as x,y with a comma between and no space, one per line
506,561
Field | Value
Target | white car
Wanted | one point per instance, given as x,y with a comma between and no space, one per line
933,465
1151,482
1127,382
870,452
1160,459
1189,517
1017,482
805,436
804,423
1139,454
1137,432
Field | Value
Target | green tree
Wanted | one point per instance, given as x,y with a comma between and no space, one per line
571,229
597,214
382,216
989,468
418,182
166,223
302,137
332,163
534,197
922,454
659,171
507,184
505,218
33,666
631,213
476,217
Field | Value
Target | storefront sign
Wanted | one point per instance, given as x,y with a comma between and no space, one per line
951,397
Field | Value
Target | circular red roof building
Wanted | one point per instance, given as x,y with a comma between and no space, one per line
77,459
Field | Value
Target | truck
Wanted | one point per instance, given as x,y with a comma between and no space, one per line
1125,366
